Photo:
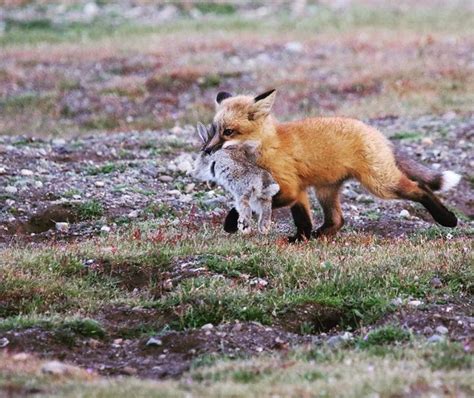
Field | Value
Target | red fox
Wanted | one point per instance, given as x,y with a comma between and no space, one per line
322,153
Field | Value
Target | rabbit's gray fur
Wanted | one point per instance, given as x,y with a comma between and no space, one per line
236,170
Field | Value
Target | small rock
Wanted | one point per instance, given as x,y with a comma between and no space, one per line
442,330
189,188
91,9
62,226
154,342
436,282
427,141
4,342
93,343
58,142
58,368
397,302
294,47
128,370
3,170
105,229
11,189
133,214
415,303
435,339
26,173
404,214
99,184
165,178
21,356
207,326
237,327
427,330
38,184
168,284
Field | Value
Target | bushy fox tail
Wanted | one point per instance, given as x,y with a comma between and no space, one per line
435,180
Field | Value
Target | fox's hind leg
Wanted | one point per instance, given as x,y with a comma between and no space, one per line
328,198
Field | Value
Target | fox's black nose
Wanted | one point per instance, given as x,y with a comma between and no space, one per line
207,151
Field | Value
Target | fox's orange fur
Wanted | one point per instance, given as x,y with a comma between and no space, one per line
322,153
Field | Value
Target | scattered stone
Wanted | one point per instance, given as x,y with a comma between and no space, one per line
207,326
294,47
168,284
165,178
427,330
397,302
337,341
4,342
154,342
26,173
435,339
404,214
58,368
11,189
133,214
21,356
442,330
427,141
99,184
3,170
105,229
128,370
62,226
189,188
415,303
436,282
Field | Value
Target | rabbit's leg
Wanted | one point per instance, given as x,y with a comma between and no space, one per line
245,213
265,215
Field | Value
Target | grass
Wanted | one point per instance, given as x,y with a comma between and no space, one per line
418,19
90,209
356,279
406,370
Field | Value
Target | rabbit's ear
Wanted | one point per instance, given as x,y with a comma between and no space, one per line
203,133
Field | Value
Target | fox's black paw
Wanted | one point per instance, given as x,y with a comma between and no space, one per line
298,238
231,221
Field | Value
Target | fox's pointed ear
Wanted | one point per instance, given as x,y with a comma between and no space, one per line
222,96
203,133
263,104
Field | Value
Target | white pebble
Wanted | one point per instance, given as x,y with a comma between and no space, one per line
207,326
62,226
415,303
99,184
404,214
442,330
11,189
105,229
26,173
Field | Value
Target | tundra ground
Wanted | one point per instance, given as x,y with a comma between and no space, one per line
106,241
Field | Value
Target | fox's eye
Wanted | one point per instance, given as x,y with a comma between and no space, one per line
228,132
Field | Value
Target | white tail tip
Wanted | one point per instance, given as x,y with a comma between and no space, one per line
449,180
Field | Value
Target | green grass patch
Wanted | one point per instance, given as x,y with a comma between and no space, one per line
90,210
106,169
384,336
407,135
